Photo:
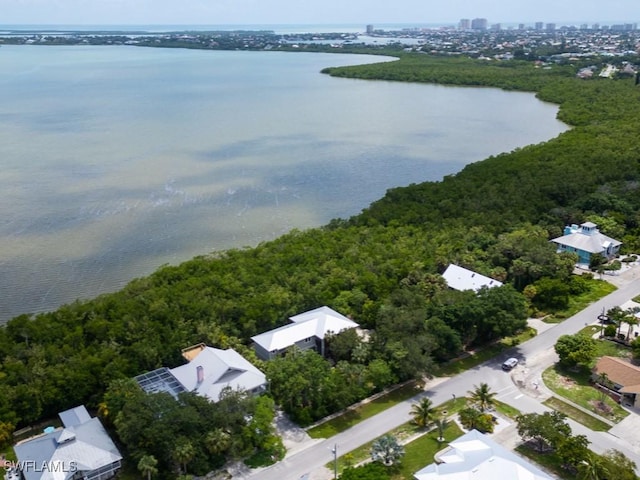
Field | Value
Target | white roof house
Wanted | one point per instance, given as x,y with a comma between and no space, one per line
81,447
460,278
306,330
475,456
208,372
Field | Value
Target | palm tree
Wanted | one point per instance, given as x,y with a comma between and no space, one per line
631,320
183,453
618,316
148,465
441,424
217,441
386,450
592,467
423,412
482,396
603,380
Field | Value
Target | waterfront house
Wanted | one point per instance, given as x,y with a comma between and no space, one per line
586,240
80,449
208,372
307,331
461,279
475,456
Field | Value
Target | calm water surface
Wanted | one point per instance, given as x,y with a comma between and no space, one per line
116,160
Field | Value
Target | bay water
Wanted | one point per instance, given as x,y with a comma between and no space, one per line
116,160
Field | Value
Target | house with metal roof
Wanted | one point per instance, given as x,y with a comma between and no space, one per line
460,278
620,376
475,455
208,372
307,331
586,240
80,449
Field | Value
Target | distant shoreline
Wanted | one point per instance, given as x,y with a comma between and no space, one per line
284,28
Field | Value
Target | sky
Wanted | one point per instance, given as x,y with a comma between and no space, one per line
313,12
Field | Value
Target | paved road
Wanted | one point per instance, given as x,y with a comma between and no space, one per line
536,355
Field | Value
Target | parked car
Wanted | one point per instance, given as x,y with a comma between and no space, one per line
509,364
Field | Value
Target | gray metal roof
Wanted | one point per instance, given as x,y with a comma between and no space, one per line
74,416
587,239
58,455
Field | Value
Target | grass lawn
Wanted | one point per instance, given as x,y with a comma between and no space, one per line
357,415
420,452
575,386
612,349
579,416
606,347
506,410
599,289
404,431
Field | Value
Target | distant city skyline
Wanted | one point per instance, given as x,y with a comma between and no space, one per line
334,12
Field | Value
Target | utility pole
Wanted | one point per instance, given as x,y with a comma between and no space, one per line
335,461
602,318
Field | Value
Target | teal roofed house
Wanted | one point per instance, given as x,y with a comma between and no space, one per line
586,240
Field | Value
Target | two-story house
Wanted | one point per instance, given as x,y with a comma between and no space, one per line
586,240
307,331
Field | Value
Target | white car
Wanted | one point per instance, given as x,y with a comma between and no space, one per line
509,364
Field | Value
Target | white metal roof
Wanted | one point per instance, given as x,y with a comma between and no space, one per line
314,323
475,456
220,369
460,278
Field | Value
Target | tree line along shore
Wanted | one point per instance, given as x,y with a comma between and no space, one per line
381,267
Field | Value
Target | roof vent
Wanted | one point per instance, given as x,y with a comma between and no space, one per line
66,436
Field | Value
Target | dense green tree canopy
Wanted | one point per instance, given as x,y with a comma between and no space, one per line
578,349
191,434
546,430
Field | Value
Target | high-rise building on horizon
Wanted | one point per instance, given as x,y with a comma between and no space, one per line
479,24
539,25
464,24
550,27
